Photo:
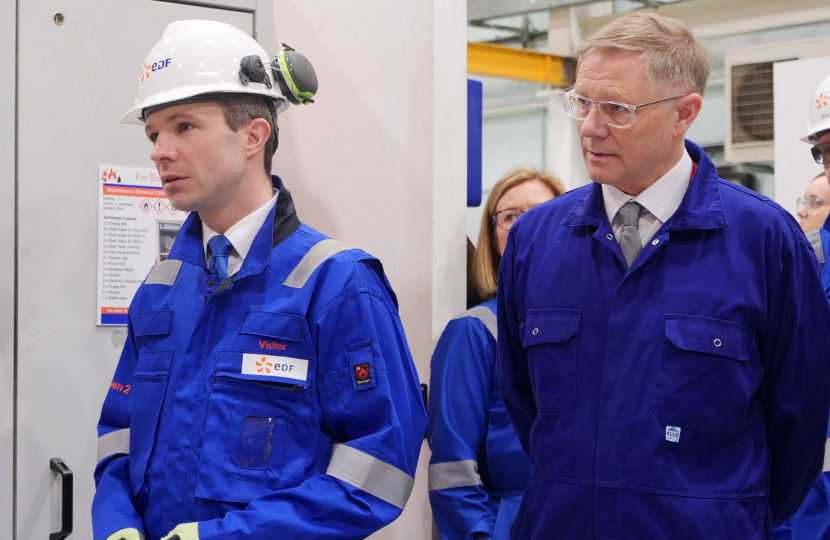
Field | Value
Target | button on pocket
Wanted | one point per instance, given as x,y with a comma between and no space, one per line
551,339
706,377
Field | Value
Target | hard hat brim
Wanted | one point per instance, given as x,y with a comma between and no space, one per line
177,95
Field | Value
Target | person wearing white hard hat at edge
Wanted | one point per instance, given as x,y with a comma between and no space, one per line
272,393
812,521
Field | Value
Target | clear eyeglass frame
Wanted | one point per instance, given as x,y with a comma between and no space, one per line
812,202
613,113
505,219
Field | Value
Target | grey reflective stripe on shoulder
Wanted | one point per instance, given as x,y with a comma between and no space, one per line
814,236
370,474
114,442
826,467
164,273
321,251
485,315
454,474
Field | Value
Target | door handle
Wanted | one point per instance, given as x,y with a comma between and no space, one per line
57,465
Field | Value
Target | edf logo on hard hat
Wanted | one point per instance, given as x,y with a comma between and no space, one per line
156,66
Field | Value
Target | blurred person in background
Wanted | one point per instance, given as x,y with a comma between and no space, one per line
812,521
478,469
814,207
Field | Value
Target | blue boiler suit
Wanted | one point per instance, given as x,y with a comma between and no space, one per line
684,398
282,403
478,469
812,521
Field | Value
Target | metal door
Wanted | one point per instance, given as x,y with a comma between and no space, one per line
77,74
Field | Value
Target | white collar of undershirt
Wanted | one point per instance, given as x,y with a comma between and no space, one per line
243,232
662,198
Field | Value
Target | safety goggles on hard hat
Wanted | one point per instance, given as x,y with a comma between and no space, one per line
821,153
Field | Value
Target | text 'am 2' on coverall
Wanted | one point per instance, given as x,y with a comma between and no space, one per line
478,469
812,521
684,398
283,403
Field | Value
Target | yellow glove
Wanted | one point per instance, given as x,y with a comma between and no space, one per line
126,534
185,531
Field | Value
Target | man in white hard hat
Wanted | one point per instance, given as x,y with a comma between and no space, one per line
812,521
818,135
268,389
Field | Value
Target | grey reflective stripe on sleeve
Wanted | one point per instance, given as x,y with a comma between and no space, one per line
314,258
814,236
454,474
164,273
826,467
114,442
486,316
370,474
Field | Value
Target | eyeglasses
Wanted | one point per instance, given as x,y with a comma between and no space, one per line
812,202
506,218
821,153
613,113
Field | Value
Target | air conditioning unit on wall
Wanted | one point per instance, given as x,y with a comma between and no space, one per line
749,98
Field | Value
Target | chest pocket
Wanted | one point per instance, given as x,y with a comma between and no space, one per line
152,328
707,375
551,338
255,422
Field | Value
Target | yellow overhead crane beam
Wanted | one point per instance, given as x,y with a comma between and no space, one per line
521,64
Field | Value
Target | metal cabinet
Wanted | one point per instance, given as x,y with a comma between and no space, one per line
77,74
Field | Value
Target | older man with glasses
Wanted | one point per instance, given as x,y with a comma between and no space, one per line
663,334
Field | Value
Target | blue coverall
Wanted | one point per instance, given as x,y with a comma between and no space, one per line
812,521
478,469
282,403
685,397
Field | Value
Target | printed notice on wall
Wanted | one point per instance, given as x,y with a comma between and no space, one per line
137,226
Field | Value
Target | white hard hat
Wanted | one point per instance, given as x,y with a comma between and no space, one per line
819,113
194,58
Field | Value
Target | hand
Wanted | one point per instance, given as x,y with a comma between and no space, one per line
185,531
126,534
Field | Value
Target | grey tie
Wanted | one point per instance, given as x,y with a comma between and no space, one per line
630,242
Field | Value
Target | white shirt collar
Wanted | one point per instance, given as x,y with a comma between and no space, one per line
662,198
243,232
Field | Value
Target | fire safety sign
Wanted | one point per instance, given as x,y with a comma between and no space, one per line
137,226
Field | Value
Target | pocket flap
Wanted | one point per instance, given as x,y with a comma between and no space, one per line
154,362
153,323
273,325
710,336
550,325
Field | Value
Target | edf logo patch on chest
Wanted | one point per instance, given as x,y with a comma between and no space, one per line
363,374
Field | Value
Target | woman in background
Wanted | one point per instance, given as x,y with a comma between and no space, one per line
478,469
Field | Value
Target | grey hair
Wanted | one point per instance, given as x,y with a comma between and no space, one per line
673,57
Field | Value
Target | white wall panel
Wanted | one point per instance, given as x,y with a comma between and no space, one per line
379,161
8,21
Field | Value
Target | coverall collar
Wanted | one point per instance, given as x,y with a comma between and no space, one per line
701,207
281,222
